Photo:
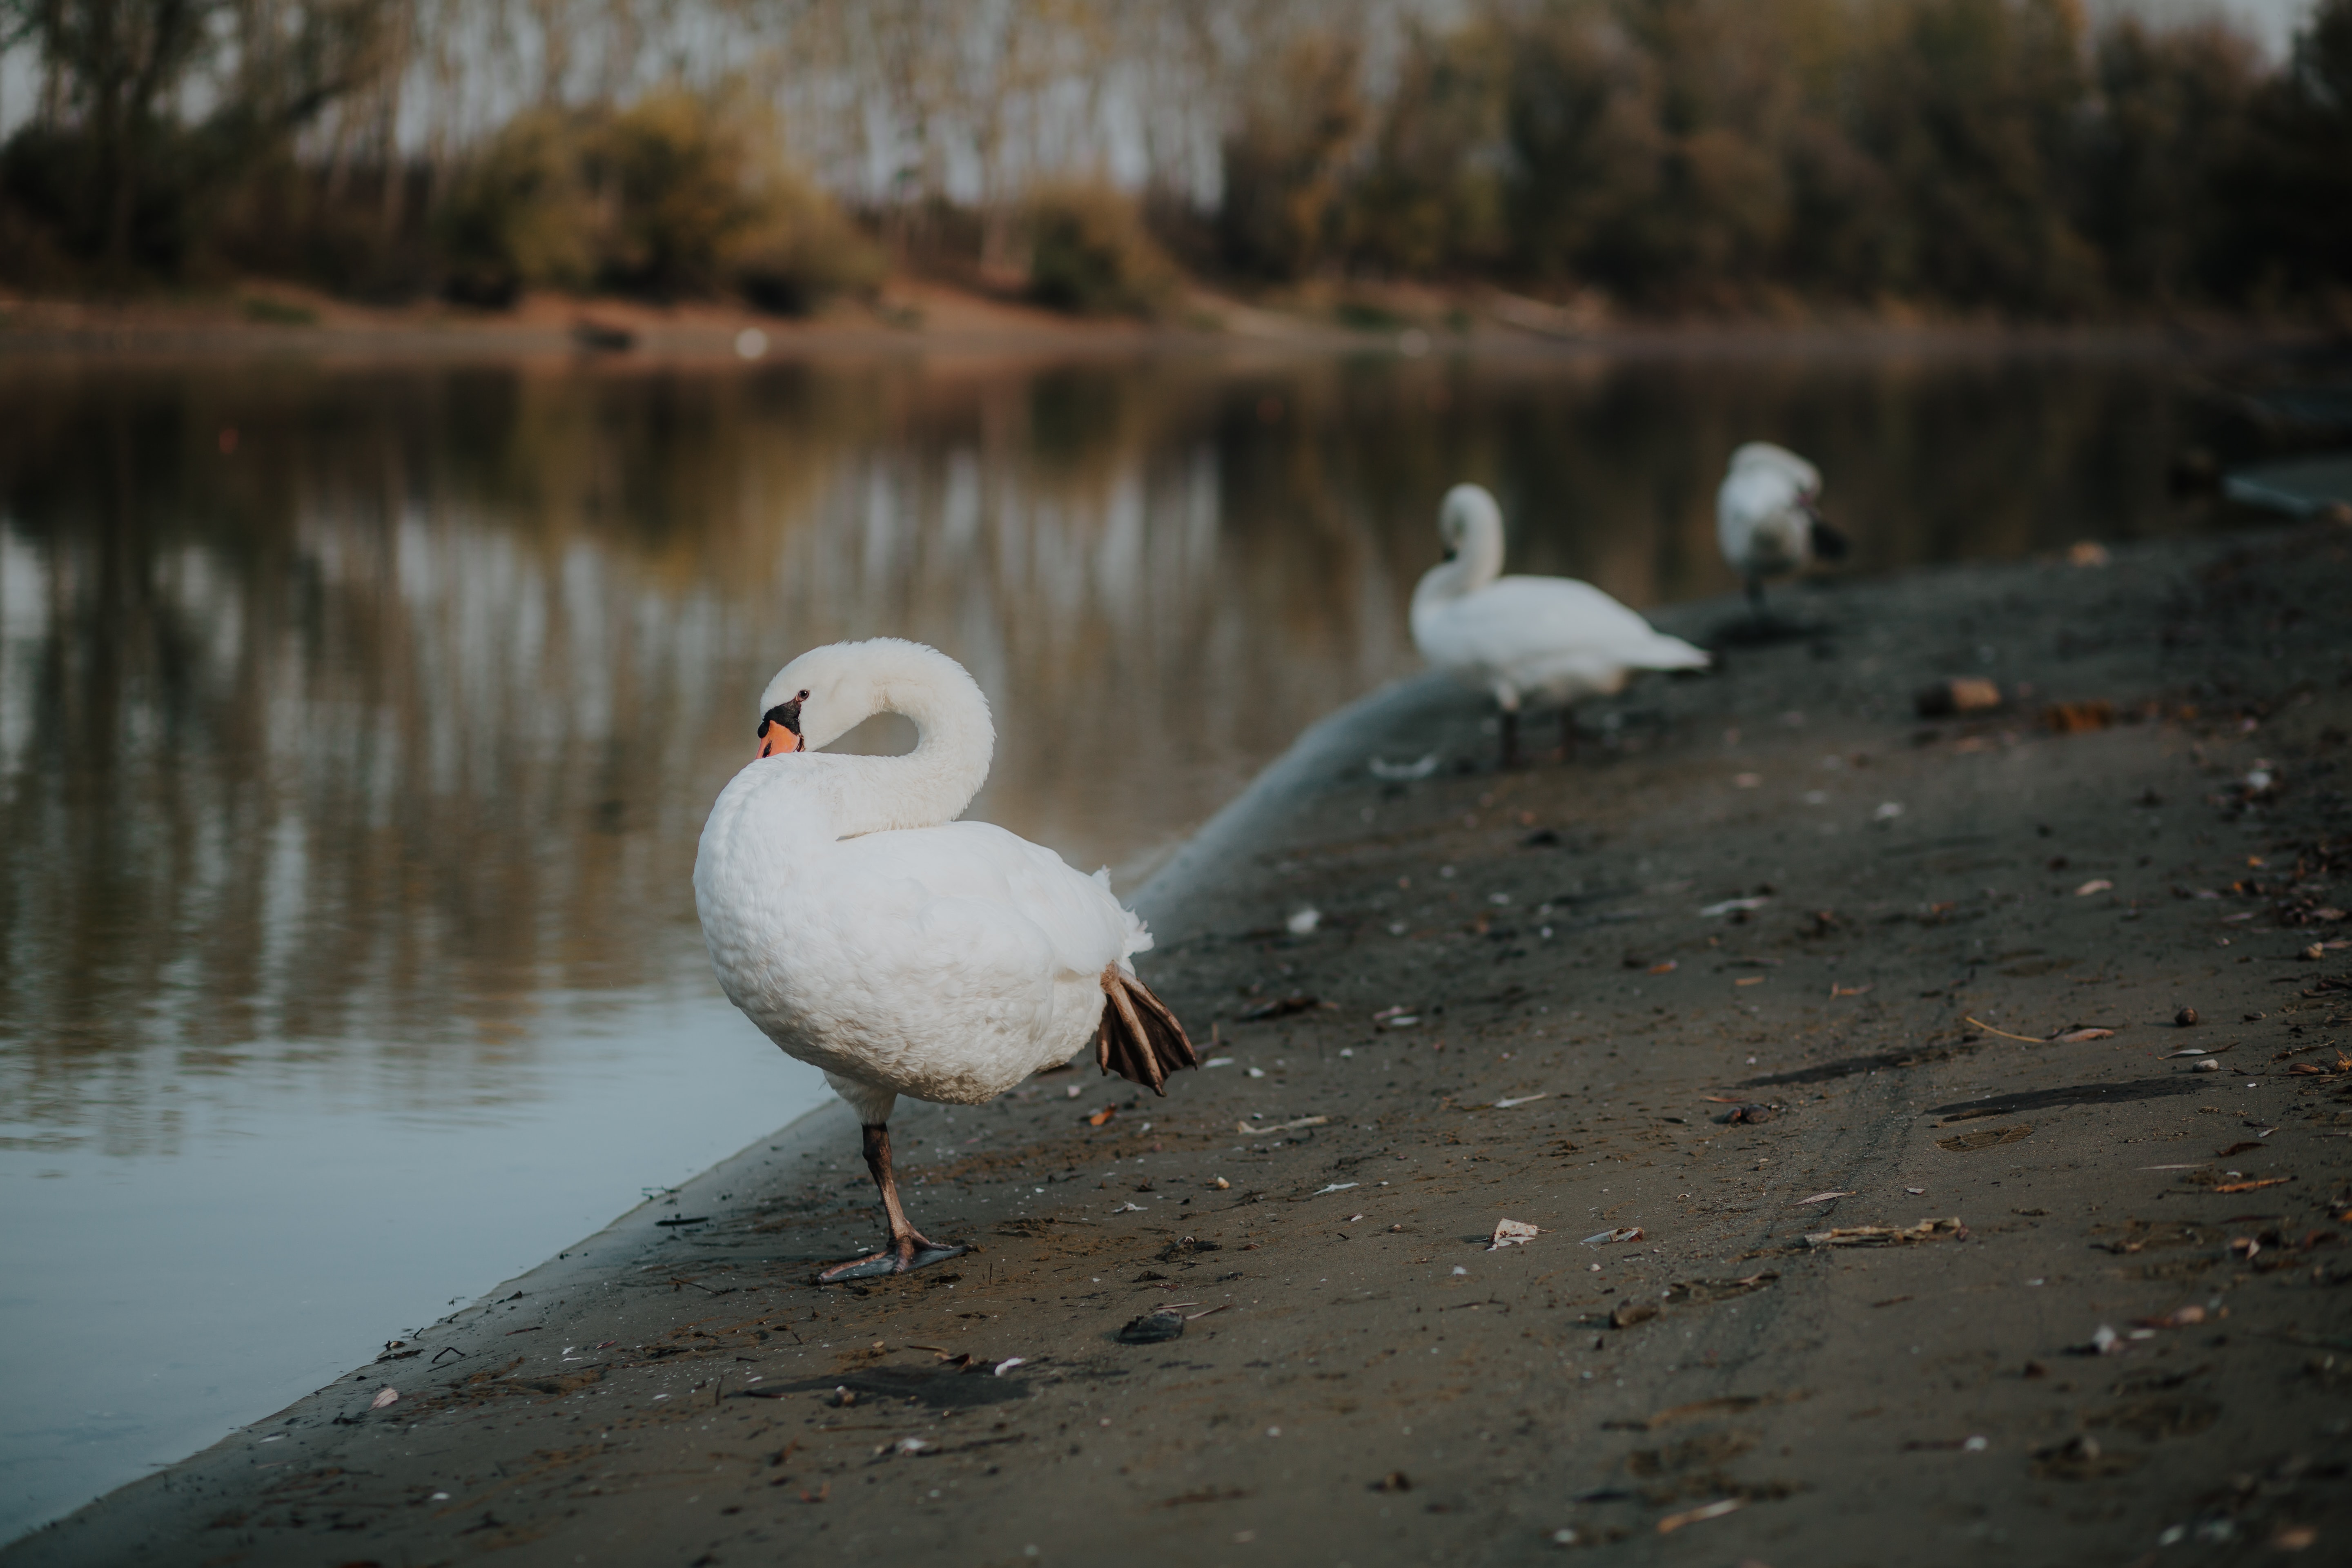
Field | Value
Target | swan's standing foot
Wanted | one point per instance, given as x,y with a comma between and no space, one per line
1510,739
909,1247
1755,603
899,1258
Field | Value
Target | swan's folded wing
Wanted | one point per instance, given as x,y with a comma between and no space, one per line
1752,499
1754,492
1079,925
899,957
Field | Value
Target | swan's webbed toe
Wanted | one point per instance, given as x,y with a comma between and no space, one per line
925,1253
1137,1037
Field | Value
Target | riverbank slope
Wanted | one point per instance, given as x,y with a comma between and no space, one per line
1831,1050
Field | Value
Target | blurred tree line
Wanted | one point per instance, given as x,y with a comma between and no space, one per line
1679,155
1759,154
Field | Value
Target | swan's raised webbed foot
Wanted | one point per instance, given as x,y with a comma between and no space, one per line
908,1248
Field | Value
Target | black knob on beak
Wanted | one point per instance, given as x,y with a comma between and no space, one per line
788,714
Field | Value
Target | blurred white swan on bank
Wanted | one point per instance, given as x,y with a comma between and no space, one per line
866,931
1768,517
1542,640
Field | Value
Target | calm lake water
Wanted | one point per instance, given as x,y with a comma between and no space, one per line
357,723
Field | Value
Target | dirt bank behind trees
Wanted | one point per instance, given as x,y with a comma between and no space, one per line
1859,1031
264,320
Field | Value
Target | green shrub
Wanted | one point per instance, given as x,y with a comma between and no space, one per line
685,179
1430,200
678,194
520,214
1971,107
1368,316
117,219
2287,192
1091,254
800,250
2173,108
1580,119
1286,168
279,313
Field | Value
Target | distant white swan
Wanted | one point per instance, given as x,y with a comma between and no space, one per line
1547,641
866,931
1768,517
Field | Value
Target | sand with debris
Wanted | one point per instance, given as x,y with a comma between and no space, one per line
1858,1030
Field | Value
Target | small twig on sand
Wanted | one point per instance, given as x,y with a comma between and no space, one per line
2004,1034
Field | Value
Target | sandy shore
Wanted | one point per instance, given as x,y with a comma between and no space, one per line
1766,981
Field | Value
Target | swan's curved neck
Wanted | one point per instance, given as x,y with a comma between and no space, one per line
1477,561
929,786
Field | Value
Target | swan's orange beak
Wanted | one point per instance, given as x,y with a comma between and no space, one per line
779,729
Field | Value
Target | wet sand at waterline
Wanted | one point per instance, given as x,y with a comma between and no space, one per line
1857,1322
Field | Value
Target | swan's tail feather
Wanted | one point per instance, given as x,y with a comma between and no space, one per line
1665,652
1139,1038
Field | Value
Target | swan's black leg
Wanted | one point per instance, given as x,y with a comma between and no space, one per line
909,1247
1756,599
1568,735
1510,739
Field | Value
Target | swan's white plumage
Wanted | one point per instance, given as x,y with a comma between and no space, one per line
1763,513
865,932
1551,640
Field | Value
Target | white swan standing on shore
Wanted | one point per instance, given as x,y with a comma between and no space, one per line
1543,639
1768,517
866,931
